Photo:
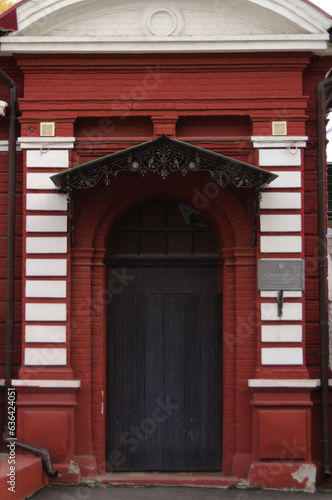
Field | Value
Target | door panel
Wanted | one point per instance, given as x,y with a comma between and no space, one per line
165,378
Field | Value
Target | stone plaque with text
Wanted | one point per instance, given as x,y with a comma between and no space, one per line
280,274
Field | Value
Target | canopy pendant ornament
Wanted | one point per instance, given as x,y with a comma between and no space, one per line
163,156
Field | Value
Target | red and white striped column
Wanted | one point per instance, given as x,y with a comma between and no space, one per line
281,237
45,255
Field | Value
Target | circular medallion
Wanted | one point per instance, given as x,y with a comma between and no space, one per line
161,22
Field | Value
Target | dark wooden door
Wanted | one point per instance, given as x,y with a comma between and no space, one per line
165,371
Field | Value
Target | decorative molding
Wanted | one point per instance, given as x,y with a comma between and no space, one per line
163,156
276,17
4,147
46,143
271,141
317,44
106,26
162,21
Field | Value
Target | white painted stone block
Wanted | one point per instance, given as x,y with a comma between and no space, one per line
46,244
280,223
46,383
292,311
51,158
46,223
281,244
281,333
273,141
289,383
281,201
48,201
286,179
46,289
45,312
45,333
46,267
45,356
282,356
288,157
287,294
39,181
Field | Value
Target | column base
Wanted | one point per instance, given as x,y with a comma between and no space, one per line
280,475
46,419
68,473
87,465
241,465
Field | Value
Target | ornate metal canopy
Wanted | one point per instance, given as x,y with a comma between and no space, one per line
163,156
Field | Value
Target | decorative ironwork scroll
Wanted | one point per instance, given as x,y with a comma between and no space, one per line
163,156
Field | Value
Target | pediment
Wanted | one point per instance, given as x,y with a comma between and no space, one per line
165,23
185,18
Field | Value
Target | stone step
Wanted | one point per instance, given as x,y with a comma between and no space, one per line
29,476
212,479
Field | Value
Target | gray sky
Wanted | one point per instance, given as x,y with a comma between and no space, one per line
324,4
327,6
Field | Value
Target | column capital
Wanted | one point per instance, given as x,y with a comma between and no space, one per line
239,256
82,256
164,124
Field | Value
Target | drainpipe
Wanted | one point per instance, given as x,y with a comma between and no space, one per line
322,272
10,231
10,273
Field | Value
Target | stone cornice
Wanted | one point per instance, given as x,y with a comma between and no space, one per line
273,141
316,43
46,142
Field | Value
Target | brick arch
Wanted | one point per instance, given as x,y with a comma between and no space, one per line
229,215
226,212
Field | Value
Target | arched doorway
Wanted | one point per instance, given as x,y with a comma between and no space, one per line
164,360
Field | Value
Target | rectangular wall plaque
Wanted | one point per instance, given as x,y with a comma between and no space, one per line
280,274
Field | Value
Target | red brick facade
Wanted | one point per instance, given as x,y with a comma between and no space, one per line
222,102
